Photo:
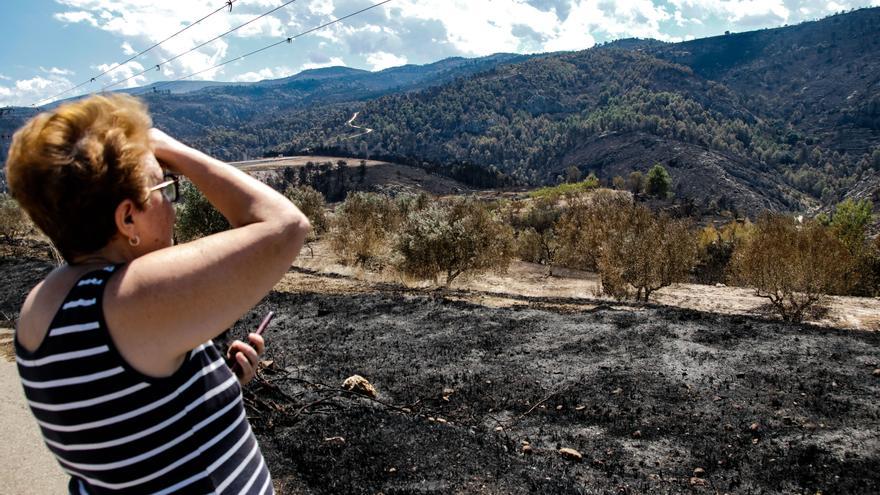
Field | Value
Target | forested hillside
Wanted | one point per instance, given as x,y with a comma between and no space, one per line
785,119
782,119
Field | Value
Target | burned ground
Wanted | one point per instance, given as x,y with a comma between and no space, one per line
647,394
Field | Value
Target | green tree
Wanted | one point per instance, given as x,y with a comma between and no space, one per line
659,182
196,216
850,223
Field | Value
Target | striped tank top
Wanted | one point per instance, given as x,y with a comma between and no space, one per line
115,430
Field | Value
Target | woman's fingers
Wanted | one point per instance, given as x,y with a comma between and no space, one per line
246,370
246,357
257,341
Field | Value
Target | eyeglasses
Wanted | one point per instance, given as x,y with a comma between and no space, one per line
170,188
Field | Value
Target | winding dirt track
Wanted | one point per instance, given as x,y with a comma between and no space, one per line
365,130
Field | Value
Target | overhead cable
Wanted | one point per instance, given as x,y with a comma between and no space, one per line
226,4
159,65
288,39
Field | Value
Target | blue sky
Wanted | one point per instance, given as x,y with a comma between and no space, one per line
53,45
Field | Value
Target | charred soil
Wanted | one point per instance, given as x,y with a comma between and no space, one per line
477,399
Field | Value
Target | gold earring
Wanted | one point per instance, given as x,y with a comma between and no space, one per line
134,241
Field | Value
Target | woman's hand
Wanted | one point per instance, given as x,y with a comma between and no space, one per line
166,148
246,357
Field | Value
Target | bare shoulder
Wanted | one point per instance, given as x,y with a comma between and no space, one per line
43,302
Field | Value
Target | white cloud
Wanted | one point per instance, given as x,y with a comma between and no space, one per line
35,84
263,74
384,60
124,72
751,14
128,49
321,7
265,27
5,78
34,90
56,71
75,17
331,62
414,31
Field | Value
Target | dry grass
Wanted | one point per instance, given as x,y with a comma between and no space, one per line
530,285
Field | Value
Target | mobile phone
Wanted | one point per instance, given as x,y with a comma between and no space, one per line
260,329
265,323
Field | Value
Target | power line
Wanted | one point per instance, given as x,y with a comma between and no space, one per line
226,4
159,65
288,39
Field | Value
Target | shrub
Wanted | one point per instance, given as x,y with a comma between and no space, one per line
566,189
311,202
363,226
850,223
408,203
14,223
716,250
636,182
196,216
792,265
453,238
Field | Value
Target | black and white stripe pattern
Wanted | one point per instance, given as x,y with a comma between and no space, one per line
115,430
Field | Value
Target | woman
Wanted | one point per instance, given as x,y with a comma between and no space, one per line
113,348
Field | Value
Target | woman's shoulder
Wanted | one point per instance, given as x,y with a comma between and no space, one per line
43,301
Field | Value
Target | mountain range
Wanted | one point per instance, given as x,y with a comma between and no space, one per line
785,119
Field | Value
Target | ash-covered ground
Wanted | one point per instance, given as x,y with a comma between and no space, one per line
656,400
473,399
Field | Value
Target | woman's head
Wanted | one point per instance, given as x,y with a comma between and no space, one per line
73,167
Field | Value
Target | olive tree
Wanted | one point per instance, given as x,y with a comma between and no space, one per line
196,216
363,227
634,251
453,238
535,224
645,252
14,223
791,264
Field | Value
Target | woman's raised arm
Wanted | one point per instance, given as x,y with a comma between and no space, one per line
164,303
